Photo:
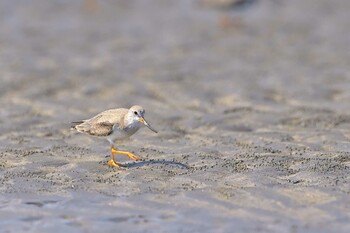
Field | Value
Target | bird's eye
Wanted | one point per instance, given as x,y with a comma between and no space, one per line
135,113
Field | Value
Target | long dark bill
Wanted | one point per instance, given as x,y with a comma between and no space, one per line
143,121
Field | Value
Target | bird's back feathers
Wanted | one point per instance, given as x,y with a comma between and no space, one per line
101,124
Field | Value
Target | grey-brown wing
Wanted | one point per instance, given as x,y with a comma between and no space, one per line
103,123
101,129
96,127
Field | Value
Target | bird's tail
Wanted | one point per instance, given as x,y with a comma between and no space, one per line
75,123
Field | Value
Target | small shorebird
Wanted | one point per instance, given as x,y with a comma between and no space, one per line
115,124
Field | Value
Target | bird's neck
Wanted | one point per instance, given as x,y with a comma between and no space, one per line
129,122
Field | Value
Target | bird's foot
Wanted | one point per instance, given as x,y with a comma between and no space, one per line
129,154
132,156
115,164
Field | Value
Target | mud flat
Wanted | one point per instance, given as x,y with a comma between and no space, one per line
251,103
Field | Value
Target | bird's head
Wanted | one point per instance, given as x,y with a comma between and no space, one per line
136,114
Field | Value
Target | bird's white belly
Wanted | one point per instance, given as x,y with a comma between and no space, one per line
121,134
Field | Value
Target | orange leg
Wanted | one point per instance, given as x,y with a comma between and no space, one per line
113,163
130,155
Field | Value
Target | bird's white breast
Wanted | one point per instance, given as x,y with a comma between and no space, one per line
123,133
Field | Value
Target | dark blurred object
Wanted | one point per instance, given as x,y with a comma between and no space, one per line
228,4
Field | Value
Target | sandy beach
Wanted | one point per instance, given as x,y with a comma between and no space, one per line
251,102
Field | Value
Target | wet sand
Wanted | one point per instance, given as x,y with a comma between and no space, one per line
251,104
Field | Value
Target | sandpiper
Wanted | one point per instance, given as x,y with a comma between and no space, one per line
115,124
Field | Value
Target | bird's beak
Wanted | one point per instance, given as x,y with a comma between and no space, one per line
143,121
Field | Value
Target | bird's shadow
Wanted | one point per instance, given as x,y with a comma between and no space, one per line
155,162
